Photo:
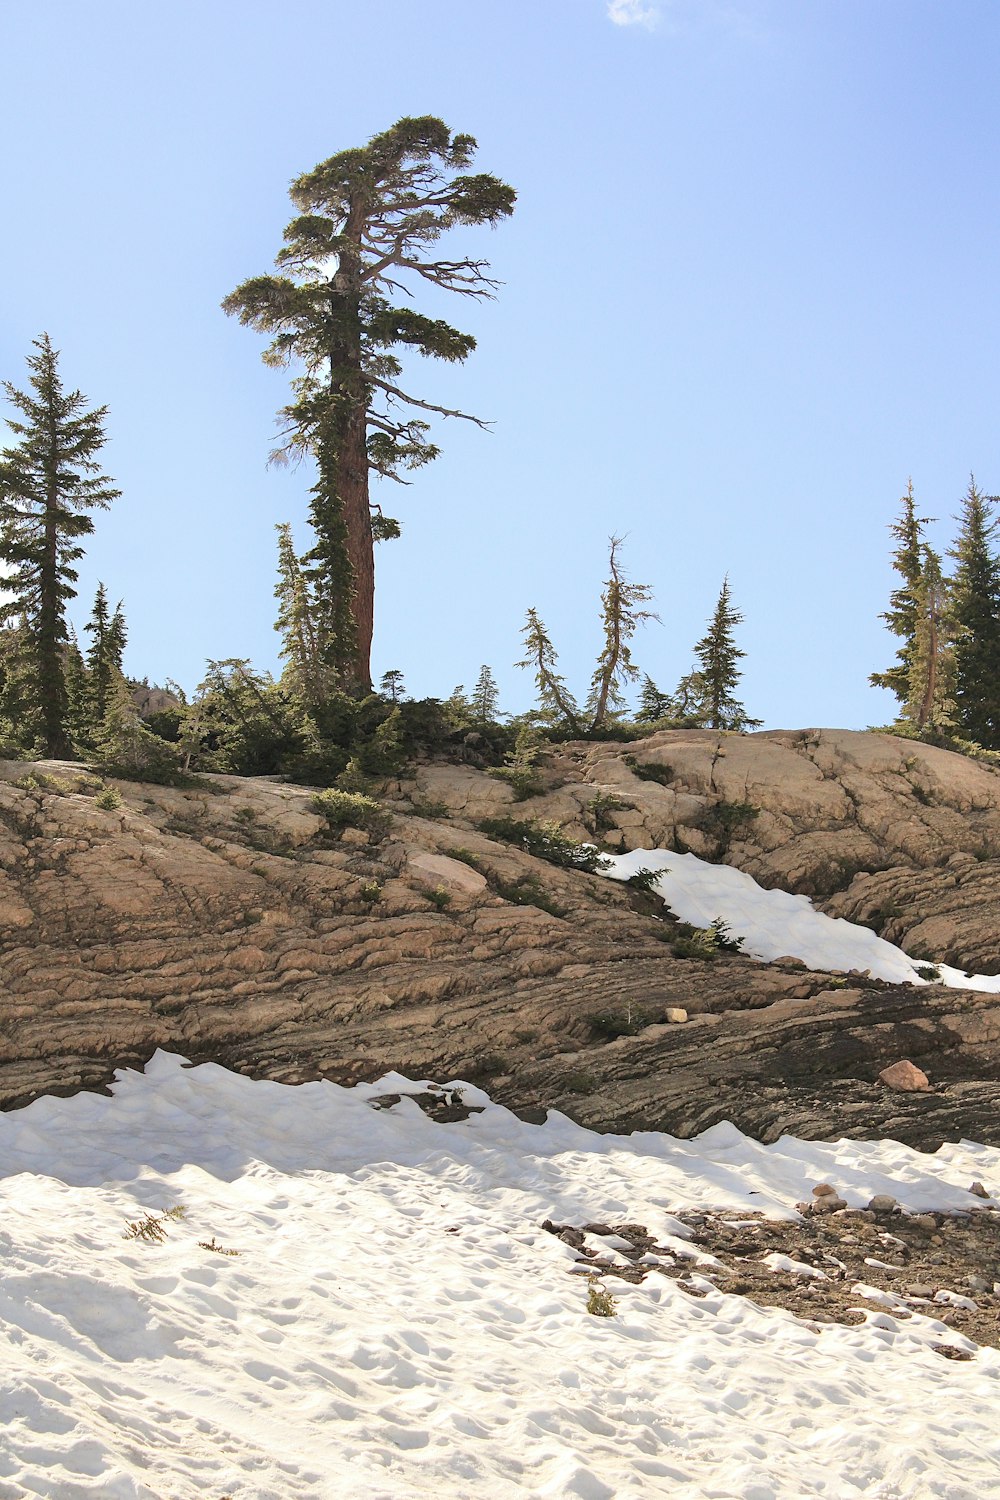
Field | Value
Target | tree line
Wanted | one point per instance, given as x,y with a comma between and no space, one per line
365,235
946,676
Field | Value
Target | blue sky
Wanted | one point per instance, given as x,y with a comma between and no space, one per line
749,288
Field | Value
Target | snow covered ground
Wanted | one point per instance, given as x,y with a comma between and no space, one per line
397,1324
776,924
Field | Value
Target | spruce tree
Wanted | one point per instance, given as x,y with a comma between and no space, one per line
930,704
653,705
392,685
485,697
718,655
104,657
621,616
306,672
555,702
48,483
902,614
366,223
976,616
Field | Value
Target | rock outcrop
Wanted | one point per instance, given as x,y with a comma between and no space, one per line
228,921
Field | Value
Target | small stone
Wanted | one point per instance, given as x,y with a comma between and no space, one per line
979,1190
921,1289
936,1239
824,1190
925,1221
675,1015
977,1283
828,1205
905,1076
882,1203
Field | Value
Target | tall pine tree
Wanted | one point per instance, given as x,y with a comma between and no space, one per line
976,615
556,704
622,615
718,655
930,701
49,482
104,657
903,612
366,223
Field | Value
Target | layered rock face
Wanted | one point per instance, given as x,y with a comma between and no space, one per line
229,922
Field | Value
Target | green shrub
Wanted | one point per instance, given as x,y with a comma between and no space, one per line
600,1301
371,892
645,880
627,1022
439,898
600,809
108,799
524,780
528,891
152,1227
705,943
545,840
929,971
351,810
650,770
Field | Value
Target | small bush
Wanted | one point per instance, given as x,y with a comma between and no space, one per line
351,810
108,799
929,971
219,1249
650,770
524,780
724,938
580,1082
645,880
440,898
600,809
429,809
600,1301
152,1227
545,840
371,892
528,892
627,1022
705,943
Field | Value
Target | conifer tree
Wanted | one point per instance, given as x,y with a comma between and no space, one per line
653,705
392,684
485,697
104,657
126,748
930,703
80,723
976,616
902,614
366,224
718,655
306,672
48,483
621,617
555,702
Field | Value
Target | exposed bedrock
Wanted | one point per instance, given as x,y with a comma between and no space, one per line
228,922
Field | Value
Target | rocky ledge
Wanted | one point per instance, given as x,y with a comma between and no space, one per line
228,921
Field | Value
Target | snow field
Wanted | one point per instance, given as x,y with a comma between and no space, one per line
776,924
397,1324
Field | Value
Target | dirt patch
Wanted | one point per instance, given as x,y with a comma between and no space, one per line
829,1268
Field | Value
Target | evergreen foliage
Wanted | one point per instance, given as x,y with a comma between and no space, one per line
367,222
975,610
306,673
49,482
653,705
621,615
718,655
903,612
104,657
126,748
485,697
556,705
392,685
930,704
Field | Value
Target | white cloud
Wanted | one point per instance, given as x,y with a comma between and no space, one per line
633,13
